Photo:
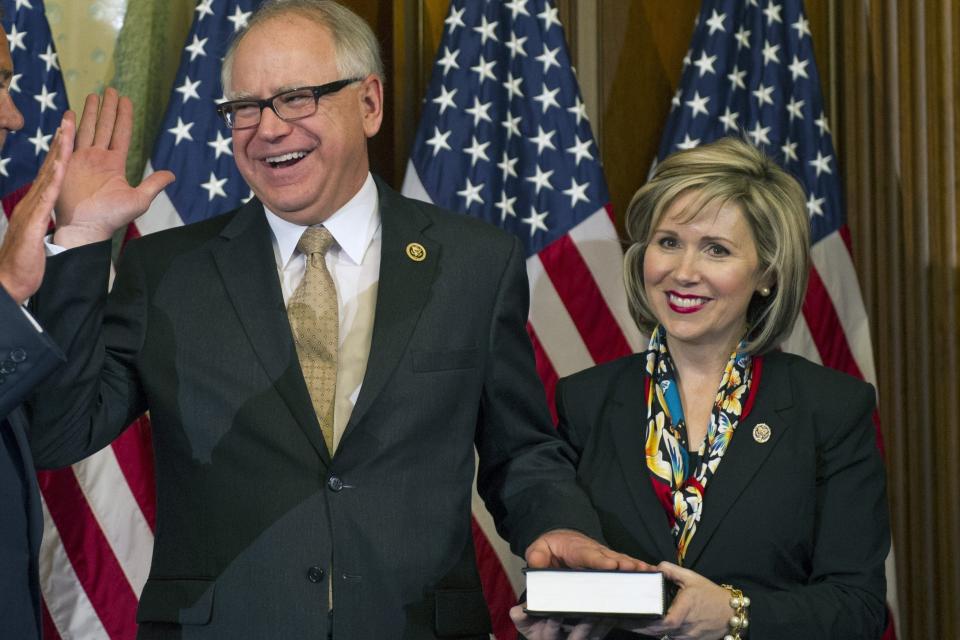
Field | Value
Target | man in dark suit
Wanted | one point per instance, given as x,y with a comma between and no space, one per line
320,366
26,356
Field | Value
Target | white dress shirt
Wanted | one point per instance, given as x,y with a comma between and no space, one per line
354,264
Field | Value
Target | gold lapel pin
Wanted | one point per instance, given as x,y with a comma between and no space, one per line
762,432
416,252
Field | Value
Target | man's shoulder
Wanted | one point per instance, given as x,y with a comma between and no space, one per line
449,224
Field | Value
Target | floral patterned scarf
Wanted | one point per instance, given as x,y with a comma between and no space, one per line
680,476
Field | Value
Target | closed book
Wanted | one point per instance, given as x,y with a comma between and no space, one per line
566,592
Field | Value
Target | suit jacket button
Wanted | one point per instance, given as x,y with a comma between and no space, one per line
334,483
315,574
18,355
7,366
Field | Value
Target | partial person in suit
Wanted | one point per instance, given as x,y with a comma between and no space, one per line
26,355
749,476
322,367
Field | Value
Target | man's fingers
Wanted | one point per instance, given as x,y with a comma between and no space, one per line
106,118
88,121
68,134
123,129
155,183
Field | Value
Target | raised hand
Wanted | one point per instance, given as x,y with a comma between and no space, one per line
96,200
22,254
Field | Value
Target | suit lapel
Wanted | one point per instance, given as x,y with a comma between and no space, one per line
248,268
744,455
626,423
402,292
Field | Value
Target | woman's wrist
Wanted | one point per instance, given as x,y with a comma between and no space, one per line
739,621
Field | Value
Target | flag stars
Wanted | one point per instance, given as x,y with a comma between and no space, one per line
773,13
454,20
439,141
484,70
449,60
477,151
543,140
508,166
181,131
580,150
577,192
506,206
759,135
3,167
15,39
45,98
764,95
40,141
688,142
821,123
798,68
220,146
794,108
770,53
675,100
548,98
512,125
445,99
549,17
517,7
204,8
21,4
196,48
802,25
789,149
487,31
540,179
821,163
188,89
815,206
214,187
579,110
536,221
479,111
516,45
548,58
512,85
729,119
471,193
736,78
239,19
705,63
716,22
743,37
698,104
50,58
15,82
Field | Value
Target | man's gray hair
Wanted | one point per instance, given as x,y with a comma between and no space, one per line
355,45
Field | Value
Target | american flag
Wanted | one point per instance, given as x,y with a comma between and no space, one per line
504,136
750,71
92,564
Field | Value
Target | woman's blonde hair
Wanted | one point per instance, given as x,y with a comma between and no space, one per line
772,201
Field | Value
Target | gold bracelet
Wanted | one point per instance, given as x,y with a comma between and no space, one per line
739,620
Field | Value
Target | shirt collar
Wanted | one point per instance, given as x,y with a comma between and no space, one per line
353,226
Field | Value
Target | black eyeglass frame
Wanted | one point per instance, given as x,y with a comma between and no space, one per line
320,90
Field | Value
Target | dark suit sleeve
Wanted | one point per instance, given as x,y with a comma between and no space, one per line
26,354
526,475
845,596
90,400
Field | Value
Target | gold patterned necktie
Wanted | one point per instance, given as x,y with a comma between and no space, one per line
314,318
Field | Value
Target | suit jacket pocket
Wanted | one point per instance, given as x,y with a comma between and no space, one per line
176,601
461,613
424,361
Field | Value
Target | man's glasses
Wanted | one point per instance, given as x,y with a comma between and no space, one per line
288,105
